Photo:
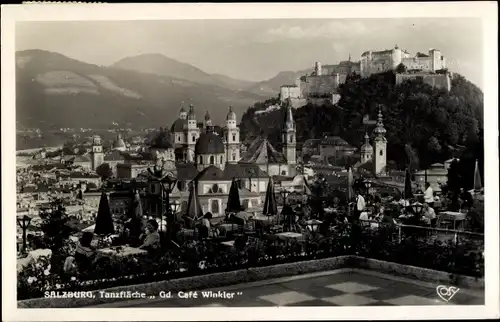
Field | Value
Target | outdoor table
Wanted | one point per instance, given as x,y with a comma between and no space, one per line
229,243
289,235
228,227
453,216
125,251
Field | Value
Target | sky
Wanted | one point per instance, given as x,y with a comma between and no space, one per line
257,50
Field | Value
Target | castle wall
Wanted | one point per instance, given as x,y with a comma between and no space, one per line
422,63
289,92
434,80
320,85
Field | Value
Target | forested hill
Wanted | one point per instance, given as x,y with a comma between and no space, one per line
424,125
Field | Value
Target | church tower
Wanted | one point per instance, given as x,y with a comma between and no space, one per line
193,133
366,150
97,152
182,112
289,135
232,138
380,147
207,122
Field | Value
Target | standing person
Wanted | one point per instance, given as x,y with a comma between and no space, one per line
360,203
429,195
467,199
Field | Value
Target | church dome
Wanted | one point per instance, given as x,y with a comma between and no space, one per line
231,116
119,144
161,141
209,143
179,126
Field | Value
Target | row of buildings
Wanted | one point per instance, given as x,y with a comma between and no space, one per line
323,82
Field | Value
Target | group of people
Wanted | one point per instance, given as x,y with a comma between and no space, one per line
86,255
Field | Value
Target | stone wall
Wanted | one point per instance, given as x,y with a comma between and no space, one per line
435,80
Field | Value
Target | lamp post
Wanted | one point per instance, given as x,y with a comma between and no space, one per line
417,208
368,185
24,222
313,225
167,186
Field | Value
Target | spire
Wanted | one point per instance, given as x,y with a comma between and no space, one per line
182,110
191,115
367,138
288,112
379,129
349,57
207,116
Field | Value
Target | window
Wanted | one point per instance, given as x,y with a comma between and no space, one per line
381,152
178,138
215,206
234,137
215,188
221,159
291,138
283,173
212,159
233,157
193,138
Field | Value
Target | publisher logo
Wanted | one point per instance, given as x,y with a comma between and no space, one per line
446,293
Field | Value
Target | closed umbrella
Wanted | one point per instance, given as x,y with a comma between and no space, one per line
194,211
408,192
104,221
270,204
477,179
233,200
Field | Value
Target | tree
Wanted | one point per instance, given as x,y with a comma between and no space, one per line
105,171
415,114
411,157
56,231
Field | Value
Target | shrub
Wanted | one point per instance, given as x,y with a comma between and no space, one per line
204,257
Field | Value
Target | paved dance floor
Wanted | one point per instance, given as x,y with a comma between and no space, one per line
352,288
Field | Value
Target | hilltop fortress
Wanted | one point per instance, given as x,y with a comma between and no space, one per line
322,84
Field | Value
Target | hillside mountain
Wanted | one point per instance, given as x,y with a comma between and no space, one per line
272,86
230,82
54,91
159,64
430,123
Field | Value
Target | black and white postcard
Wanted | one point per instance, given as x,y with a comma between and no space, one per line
250,161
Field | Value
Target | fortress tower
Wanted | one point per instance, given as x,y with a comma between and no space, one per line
317,69
380,147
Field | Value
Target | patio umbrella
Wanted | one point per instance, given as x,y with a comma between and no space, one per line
104,221
477,179
135,218
194,211
233,200
350,182
407,191
270,204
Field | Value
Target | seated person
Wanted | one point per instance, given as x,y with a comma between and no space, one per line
429,215
380,213
205,222
151,238
364,217
85,254
467,199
